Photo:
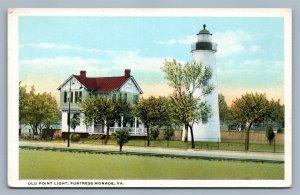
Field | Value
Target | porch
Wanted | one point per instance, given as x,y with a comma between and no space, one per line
131,130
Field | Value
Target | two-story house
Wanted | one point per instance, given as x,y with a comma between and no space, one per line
77,88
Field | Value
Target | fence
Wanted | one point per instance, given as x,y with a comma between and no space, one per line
230,140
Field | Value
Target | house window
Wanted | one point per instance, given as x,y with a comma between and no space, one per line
65,96
120,96
114,97
135,98
80,96
125,97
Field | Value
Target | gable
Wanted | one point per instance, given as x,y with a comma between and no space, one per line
76,85
131,87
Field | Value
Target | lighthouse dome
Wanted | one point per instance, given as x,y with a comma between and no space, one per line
204,31
204,35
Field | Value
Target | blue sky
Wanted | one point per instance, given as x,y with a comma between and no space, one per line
250,53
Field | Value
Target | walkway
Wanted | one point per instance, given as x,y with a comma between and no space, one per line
155,151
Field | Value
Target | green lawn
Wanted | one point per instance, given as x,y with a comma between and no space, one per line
64,165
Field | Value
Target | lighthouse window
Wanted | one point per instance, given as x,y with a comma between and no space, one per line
205,82
204,119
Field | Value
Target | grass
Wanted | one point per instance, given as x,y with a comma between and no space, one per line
64,165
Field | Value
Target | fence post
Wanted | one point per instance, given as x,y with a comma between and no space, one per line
218,143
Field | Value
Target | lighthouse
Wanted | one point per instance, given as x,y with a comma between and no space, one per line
204,52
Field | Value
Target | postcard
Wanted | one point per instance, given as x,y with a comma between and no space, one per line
119,98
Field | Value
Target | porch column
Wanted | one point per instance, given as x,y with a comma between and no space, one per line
135,124
122,120
105,129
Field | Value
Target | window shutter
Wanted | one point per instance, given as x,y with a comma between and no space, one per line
76,96
80,96
71,97
65,96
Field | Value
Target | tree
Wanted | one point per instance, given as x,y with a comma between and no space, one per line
153,112
104,110
122,137
270,134
168,135
190,84
75,121
23,100
39,110
223,108
277,114
250,108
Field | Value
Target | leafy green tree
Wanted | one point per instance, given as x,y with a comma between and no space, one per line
39,111
270,134
190,84
23,101
277,114
250,108
121,137
153,112
75,121
168,135
223,108
104,110
154,132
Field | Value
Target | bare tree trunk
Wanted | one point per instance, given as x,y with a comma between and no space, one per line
247,137
192,136
35,130
186,132
148,136
121,147
107,133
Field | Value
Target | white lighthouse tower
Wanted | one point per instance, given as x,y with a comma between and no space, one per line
204,51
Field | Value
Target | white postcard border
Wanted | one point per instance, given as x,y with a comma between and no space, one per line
13,82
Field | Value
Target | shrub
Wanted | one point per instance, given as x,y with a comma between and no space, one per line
122,137
154,133
75,137
168,134
270,134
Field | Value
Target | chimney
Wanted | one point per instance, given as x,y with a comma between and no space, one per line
83,73
127,73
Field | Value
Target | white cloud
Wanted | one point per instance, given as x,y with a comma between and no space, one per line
168,42
254,48
254,67
185,40
46,45
59,61
229,42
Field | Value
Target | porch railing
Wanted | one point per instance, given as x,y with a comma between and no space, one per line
131,130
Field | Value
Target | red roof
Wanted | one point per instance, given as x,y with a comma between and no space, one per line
102,84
